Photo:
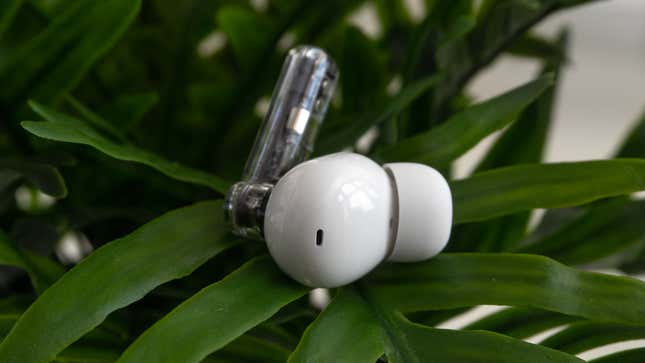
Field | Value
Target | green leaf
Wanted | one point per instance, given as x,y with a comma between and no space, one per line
95,120
442,144
521,323
523,142
234,305
332,337
445,26
128,110
248,32
634,145
508,190
583,336
8,9
248,348
346,133
534,46
500,23
363,74
602,231
9,255
114,276
457,280
60,127
43,176
413,343
53,63
88,354
628,356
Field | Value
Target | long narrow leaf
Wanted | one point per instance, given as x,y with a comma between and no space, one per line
604,230
114,276
500,23
442,144
634,145
628,356
521,323
523,142
583,336
333,336
8,9
60,127
216,315
508,190
413,343
456,280
53,63
346,133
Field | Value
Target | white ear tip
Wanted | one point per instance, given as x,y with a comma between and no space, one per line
424,212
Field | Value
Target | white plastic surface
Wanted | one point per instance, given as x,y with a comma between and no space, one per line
424,212
349,198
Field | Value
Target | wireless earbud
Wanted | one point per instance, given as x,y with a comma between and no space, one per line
330,220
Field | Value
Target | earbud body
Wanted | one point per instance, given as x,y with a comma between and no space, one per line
331,220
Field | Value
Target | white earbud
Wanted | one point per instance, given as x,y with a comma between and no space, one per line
331,220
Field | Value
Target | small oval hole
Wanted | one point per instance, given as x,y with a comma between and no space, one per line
319,237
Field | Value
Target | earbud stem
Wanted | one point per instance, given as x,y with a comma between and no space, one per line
298,106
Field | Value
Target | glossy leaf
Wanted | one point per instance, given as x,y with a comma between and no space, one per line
167,248
521,323
333,335
346,133
634,145
8,9
440,145
523,142
54,62
413,343
583,336
535,46
249,348
508,190
88,354
60,127
500,23
43,176
241,301
603,231
628,356
457,280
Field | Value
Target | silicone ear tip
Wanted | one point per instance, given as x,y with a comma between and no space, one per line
424,212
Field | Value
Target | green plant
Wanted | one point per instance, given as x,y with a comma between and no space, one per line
121,79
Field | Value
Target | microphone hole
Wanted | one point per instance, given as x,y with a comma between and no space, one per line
319,237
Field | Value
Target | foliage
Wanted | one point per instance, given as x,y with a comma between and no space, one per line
119,110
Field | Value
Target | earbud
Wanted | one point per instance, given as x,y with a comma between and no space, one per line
331,220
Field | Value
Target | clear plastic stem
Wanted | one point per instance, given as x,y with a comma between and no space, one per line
286,138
